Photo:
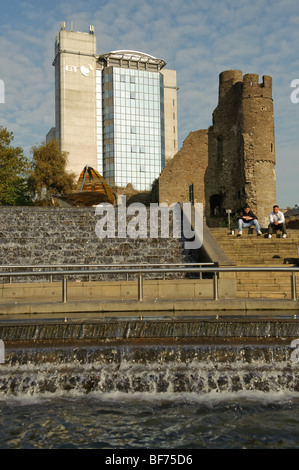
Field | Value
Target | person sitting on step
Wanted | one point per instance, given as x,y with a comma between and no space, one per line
247,219
277,222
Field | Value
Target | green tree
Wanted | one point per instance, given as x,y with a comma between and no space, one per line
14,171
49,176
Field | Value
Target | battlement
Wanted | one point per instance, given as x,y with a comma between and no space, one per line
227,80
253,88
249,84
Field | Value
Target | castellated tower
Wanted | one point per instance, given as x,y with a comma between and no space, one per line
233,162
241,162
258,144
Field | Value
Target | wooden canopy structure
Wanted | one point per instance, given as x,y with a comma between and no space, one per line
92,189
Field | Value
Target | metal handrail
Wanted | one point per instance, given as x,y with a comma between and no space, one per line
38,266
140,271
139,265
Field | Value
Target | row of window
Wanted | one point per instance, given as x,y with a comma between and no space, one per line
131,169
132,95
128,151
129,132
122,114
152,164
129,75
144,93
146,90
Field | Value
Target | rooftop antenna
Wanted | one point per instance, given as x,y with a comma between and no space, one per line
72,25
62,25
91,29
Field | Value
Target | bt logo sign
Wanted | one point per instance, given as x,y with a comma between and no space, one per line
86,70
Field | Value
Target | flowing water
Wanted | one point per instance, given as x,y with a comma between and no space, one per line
150,394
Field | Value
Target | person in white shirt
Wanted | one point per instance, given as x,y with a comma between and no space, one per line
277,222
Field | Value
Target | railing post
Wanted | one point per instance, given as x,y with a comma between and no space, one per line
140,286
293,284
64,289
215,286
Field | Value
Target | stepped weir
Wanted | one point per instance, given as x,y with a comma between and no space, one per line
153,356
73,353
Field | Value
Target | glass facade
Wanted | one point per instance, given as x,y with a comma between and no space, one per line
130,126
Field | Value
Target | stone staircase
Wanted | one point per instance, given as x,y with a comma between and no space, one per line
43,236
251,250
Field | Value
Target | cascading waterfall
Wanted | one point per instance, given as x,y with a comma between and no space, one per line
188,368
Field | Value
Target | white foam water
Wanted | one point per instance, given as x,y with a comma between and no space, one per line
154,397
195,377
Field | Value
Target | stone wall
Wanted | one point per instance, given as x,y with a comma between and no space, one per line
185,168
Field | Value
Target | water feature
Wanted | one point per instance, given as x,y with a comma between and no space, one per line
122,385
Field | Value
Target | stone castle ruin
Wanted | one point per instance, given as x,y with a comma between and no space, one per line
232,162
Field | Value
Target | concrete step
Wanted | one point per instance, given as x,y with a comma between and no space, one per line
265,285
250,249
266,277
250,231
246,260
267,245
264,295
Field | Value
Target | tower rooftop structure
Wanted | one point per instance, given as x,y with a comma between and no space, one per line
134,58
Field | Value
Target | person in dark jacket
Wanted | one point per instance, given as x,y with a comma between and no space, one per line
247,219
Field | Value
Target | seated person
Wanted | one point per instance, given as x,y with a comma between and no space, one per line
247,219
277,222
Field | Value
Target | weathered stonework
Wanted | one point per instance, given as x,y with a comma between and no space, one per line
185,168
233,162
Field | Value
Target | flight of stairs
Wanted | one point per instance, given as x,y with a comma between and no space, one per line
251,250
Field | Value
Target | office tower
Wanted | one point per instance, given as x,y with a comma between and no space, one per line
116,111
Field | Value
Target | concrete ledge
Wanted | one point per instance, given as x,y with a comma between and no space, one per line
241,307
102,291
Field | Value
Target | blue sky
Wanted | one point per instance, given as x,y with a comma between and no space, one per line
199,39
